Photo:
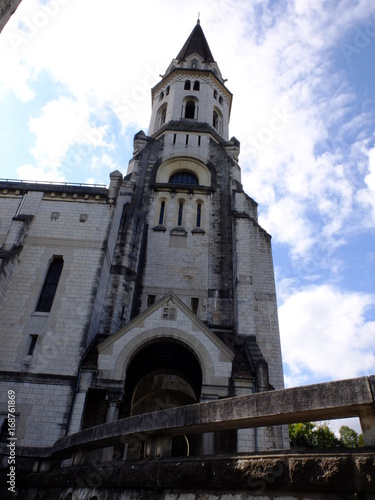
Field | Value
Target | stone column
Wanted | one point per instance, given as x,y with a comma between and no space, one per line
208,438
75,423
246,438
114,399
208,443
367,421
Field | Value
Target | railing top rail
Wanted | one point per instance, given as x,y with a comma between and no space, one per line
340,399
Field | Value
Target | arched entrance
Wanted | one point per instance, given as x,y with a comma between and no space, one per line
163,374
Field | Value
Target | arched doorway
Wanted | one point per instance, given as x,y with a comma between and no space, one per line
164,374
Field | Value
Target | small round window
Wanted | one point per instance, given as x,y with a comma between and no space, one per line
183,178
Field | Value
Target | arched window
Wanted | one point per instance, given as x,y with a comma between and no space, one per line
162,113
190,109
167,90
194,64
216,120
161,96
196,85
187,85
184,178
215,94
50,285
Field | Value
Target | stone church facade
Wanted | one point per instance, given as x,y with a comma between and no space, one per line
155,292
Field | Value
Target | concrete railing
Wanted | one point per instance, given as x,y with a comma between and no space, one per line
332,400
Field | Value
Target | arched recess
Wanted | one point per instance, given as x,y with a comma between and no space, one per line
161,116
190,108
175,165
217,119
191,343
163,374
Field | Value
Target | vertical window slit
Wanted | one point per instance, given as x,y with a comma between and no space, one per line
150,300
33,340
50,285
161,215
180,209
194,304
199,212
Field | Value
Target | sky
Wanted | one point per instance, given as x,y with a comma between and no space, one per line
75,85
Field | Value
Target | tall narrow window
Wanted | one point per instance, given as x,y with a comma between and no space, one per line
161,214
190,109
196,85
215,120
194,304
150,300
50,285
34,338
187,85
180,209
199,214
162,115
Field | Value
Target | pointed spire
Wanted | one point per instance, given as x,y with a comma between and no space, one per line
196,43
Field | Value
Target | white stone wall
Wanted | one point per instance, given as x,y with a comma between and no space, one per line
176,261
41,411
204,98
80,243
256,306
74,228
8,209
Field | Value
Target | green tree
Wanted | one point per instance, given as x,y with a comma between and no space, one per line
301,434
349,438
312,435
325,437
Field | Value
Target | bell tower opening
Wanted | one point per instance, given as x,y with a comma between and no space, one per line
190,109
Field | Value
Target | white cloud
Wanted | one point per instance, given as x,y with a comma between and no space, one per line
15,78
367,195
287,223
62,124
32,173
325,334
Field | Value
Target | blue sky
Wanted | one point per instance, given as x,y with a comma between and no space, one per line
74,89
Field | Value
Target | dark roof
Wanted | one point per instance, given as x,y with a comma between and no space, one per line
196,43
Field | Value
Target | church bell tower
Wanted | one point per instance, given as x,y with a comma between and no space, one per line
190,309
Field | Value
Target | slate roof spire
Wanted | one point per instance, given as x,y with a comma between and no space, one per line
196,43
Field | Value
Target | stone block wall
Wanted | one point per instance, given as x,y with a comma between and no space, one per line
41,223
